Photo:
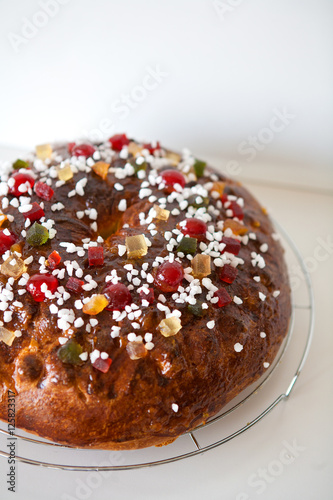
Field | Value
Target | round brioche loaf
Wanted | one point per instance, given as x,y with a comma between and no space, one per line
162,293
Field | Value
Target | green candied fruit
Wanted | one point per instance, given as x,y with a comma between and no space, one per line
37,235
187,245
196,309
199,167
138,166
20,164
70,353
197,201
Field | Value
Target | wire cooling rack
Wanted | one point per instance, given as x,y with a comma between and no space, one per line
240,415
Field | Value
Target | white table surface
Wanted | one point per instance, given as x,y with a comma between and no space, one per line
243,468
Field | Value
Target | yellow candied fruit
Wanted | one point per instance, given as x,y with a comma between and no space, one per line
13,267
95,305
170,326
236,227
173,158
3,218
161,213
264,210
65,173
101,168
136,246
44,151
256,223
6,336
218,186
134,148
201,266
136,350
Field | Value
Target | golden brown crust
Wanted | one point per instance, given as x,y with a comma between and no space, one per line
199,369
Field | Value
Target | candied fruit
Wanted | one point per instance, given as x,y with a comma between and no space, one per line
44,191
197,309
136,350
101,168
83,150
152,147
96,304
74,285
169,276
237,210
37,235
187,245
102,365
35,213
231,245
170,326
218,187
134,148
20,183
96,256
161,213
174,158
7,239
235,226
223,298
201,266
196,228
37,284
65,173
199,167
70,352
149,295
7,336
118,296
172,178
228,273
118,141
53,260
13,267
44,151
136,246
20,164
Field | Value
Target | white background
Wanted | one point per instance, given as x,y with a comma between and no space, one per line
224,75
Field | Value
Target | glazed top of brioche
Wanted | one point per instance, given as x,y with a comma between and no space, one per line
189,248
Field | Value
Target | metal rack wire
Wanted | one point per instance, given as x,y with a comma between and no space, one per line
251,405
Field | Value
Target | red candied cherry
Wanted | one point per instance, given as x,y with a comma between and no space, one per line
83,150
118,296
172,177
35,213
96,256
237,210
7,239
224,198
118,141
152,148
102,365
195,228
43,191
223,297
228,273
231,245
36,285
53,260
169,275
70,147
74,285
150,296
20,183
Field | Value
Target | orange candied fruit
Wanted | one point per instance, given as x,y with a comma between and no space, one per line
201,266
101,168
96,304
235,226
218,186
